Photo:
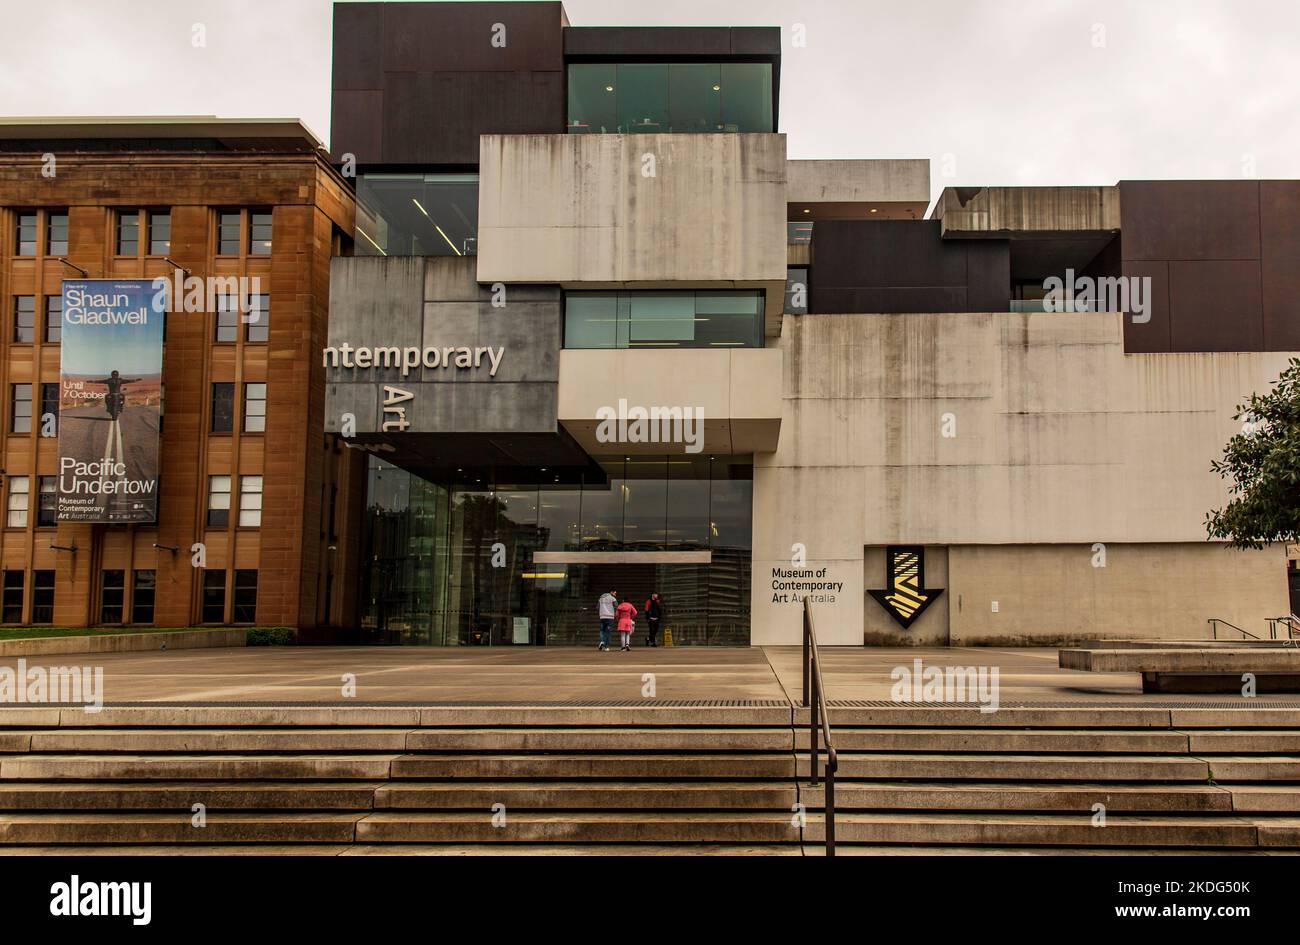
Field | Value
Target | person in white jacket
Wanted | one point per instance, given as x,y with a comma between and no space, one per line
605,607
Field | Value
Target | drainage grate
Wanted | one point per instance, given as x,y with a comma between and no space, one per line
1067,704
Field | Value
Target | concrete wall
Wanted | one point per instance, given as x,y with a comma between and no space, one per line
434,302
866,181
580,210
738,390
979,211
1061,439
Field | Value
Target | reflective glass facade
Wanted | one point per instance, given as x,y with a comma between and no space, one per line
664,319
453,564
417,215
678,97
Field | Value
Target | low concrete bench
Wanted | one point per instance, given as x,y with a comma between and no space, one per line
1184,667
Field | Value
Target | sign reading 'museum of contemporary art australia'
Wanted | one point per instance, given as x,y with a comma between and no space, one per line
110,400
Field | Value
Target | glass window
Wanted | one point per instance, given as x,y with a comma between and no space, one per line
228,317
695,97
24,319
214,597
679,97
56,234
20,408
254,408
593,105
49,409
664,319
642,91
259,233
645,503
244,605
53,319
42,597
25,238
746,96
729,319
250,501
112,595
143,590
160,233
687,526
128,232
11,597
417,215
258,320
228,229
591,320
223,408
19,500
602,508
659,318
47,515
218,501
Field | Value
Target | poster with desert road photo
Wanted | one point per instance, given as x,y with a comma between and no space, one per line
110,400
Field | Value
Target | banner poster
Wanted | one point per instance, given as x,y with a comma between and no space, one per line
110,400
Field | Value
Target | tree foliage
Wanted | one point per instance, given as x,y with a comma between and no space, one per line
1262,465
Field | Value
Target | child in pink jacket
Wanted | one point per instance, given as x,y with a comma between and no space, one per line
625,613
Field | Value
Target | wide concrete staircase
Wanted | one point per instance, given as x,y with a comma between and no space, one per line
675,777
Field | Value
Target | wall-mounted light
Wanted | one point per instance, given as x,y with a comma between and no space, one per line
609,88
717,88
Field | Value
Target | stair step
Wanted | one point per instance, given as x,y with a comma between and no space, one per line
1005,741
139,741
1278,798
579,827
943,767
1245,743
156,827
1245,768
182,795
602,739
1040,829
195,767
940,796
572,795
572,766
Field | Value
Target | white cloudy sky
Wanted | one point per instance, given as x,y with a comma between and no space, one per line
1012,91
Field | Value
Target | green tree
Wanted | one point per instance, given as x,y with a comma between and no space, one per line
1262,465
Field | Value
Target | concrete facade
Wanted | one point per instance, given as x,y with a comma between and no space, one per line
902,183
635,211
434,303
1060,441
738,390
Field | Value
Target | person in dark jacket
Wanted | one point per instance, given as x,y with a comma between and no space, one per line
654,615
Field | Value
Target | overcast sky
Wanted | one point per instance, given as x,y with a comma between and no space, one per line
992,91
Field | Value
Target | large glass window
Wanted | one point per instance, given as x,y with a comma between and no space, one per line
679,97
456,564
42,597
417,215
664,319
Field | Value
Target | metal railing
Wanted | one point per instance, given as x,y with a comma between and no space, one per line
1214,628
1292,624
814,698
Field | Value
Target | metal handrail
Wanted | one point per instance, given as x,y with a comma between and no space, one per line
1292,624
1214,629
814,698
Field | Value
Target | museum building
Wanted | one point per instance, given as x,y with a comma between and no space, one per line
561,317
